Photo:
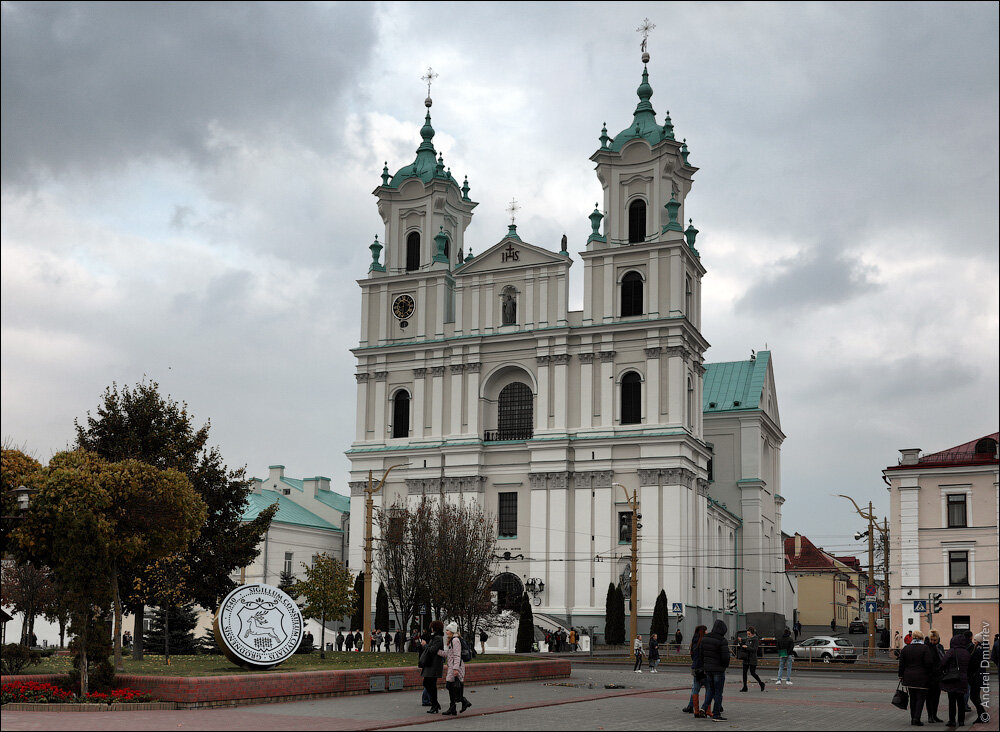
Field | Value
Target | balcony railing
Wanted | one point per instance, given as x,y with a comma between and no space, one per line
508,434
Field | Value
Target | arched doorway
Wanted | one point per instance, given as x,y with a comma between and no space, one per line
508,590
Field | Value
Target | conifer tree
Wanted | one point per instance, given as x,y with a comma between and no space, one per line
183,620
525,627
620,632
610,613
382,608
661,618
358,618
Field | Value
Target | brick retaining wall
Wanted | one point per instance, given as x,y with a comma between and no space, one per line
190,692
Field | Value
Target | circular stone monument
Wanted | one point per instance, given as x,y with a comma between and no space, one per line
258,626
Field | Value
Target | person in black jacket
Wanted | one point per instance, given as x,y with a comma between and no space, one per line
955,679
918,665
697,673
786,649
715,660
749,647
432,664
933,641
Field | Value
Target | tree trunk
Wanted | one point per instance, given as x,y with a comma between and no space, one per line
137,633
84,670
119,662
322,636
62,633
166,633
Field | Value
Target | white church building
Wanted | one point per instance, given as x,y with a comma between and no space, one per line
473,371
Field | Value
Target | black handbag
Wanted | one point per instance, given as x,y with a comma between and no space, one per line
901,698
950,673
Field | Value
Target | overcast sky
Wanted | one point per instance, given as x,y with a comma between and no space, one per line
186,197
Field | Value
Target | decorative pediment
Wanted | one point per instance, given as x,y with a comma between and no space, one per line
510,254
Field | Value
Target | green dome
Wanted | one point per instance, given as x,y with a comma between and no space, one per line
644,122
428,165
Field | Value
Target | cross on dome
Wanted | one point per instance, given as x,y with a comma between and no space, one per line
512,209
429,76
645,29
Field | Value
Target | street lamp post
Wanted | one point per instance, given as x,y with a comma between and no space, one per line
872,526
370,492
633,503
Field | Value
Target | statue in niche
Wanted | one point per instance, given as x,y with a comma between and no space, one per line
509,308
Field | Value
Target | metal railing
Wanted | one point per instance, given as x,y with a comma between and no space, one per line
508,434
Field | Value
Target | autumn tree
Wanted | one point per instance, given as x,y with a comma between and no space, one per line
395,560
138,423
28,590
327,593
16,469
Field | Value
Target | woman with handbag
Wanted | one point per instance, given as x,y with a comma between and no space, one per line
918,663
455,680
955,679
697,672
432,664
748,647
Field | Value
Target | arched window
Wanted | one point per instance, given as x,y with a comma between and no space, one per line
508,589
631,294
447,249
401,414
412,251
688,296
508,306
631,398
516,414
637,221
690,402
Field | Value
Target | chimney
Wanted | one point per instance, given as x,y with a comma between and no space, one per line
798,545
910,456
275,474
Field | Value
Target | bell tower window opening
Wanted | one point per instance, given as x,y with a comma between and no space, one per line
688,295
401,414
637,221
515,412
447,248
690,402
631,398
631,294
412,251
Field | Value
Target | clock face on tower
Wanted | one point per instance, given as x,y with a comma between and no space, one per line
402,307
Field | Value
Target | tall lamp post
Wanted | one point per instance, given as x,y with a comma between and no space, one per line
370,492
869,516
633,502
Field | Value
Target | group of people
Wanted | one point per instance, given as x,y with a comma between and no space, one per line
654,653
559,641
354,640
438,647
926,669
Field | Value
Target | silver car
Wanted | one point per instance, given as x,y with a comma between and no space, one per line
826,648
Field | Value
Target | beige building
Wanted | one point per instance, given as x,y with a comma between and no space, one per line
943,537
828,588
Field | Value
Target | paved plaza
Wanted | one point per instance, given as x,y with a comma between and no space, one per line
817,700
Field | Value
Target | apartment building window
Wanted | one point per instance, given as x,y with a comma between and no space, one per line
507,515
957,517
958,568
288,562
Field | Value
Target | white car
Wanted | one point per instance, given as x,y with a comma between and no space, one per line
826,648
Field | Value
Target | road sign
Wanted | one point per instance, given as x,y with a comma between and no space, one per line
871,606
677,608
920,606
871,591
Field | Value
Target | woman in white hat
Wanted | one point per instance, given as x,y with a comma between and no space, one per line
455,679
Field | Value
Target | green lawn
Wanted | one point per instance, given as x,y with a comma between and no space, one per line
218,665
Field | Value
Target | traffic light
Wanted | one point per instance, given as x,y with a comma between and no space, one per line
731,600
935,602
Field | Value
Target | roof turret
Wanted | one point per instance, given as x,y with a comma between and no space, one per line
644,122
429,163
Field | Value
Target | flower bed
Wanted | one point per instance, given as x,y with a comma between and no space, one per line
36,692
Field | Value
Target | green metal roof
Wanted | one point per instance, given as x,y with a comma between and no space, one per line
428,165
736,385
336,501
644,122
289,512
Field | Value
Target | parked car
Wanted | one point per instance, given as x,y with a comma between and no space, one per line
826,648
857,626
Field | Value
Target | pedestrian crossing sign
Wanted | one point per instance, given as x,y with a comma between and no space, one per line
920,606
677,608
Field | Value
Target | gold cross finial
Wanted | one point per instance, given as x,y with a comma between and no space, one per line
512,209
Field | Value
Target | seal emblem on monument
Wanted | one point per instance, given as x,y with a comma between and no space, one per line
258,626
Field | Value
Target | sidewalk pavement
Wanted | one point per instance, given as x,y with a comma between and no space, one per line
647,701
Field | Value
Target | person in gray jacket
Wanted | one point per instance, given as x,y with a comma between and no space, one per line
749,647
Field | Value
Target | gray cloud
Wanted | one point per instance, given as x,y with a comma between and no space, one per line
88,86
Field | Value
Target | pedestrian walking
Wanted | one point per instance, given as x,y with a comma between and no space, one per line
572,639
933,641
918,663
349,642
908,638
455,680
482,641
955,679
359,641
654,653
637,647
897,644
697,673
833,626
786,655
339,640
678,639
748,648
797,627
398,641
715,661
432,664
979,678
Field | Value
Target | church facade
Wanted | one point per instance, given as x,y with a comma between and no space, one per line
472,370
